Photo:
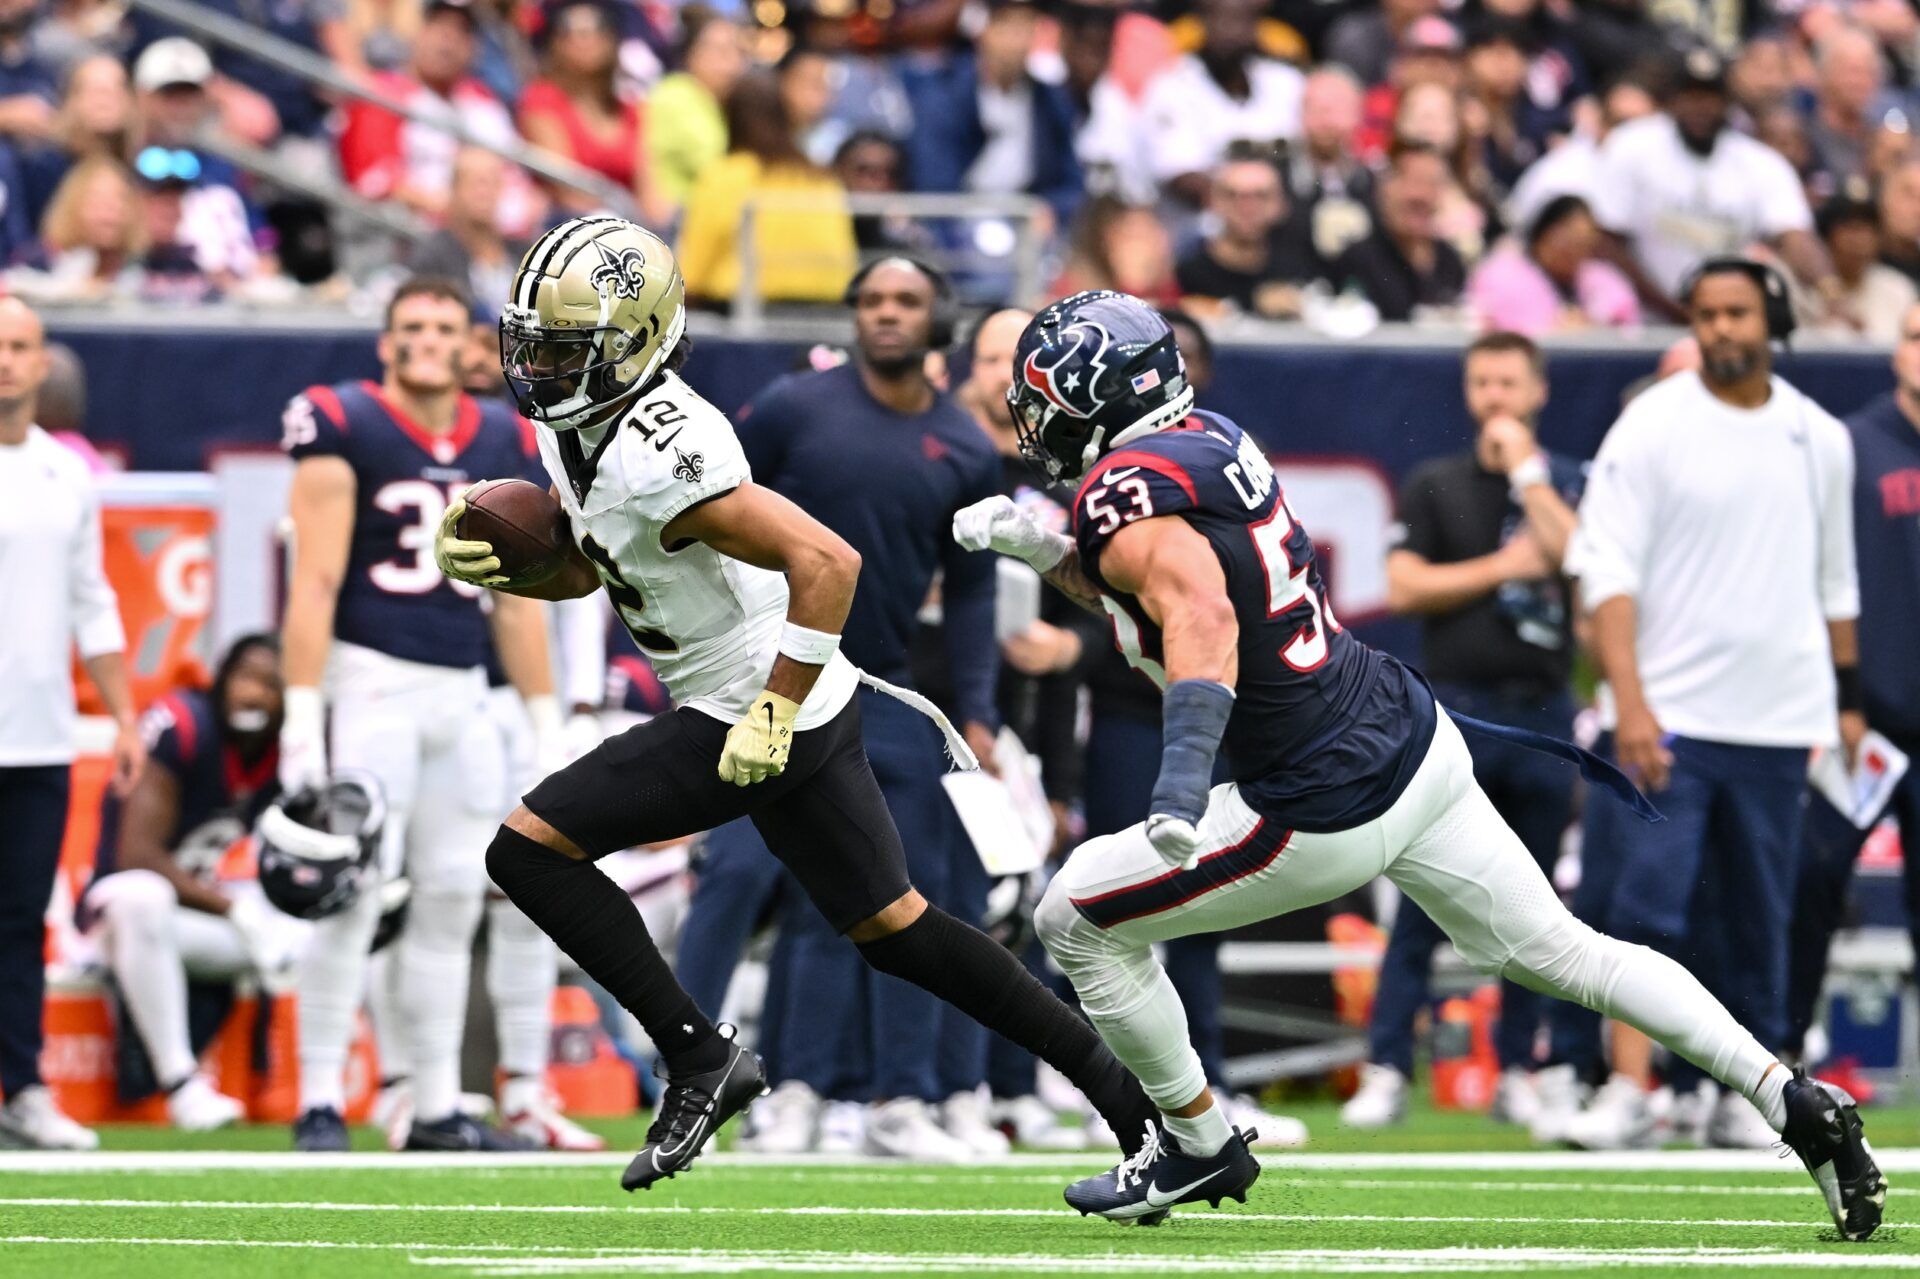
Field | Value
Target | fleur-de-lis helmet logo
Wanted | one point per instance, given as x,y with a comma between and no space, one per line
623,275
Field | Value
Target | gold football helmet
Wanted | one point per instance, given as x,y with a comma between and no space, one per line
596,308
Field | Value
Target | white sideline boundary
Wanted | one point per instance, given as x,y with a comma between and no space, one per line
1894,1160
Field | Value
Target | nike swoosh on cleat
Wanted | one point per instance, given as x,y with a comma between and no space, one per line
1158,1198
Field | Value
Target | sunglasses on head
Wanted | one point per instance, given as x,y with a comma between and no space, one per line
165,164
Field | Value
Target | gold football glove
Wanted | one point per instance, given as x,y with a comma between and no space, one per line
757,746
462,560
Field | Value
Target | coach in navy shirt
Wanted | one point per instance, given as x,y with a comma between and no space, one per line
875,452
1886,533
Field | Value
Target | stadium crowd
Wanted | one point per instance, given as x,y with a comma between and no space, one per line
1535,165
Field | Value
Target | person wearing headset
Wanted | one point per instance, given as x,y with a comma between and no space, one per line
883,457
1715,557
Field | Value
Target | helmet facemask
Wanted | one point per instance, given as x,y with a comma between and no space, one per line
559,376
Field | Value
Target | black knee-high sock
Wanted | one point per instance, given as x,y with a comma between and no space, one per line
594,921
986,981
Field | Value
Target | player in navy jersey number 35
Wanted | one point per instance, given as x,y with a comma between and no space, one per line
1343,767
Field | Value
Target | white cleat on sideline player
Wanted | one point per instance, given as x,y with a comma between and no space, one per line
1738,1125
964,1115
842,1129
1515,1100
196,1106
1559,1094
784,1122
1620,1117
904,1128
538,1119
1276,1131
32,1119
1032,1123
1381,1100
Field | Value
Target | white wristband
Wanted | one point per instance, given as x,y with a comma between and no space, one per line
303,710
543,711
809,648
1052,549
1529,473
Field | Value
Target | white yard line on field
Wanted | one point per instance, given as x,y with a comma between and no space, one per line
1892,1160
832,1210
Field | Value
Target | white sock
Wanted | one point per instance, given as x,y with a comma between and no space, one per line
1770,1096
1202,1134
144,954
383,1010
523,965
436,958
332,983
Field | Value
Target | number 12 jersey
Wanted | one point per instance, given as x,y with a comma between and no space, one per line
1325,732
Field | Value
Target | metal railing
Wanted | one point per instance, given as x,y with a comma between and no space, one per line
283,54
1021,264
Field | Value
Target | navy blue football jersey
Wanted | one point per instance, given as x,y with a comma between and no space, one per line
1325,732
219,793
394,598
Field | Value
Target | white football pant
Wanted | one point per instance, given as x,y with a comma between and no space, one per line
1442,843
423,731
153,944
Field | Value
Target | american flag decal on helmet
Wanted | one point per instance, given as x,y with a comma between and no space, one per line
1145,382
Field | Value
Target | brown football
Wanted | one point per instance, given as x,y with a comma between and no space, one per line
526,526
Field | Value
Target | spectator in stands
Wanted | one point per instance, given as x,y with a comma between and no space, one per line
1114,245
68,32
1849,98
168,902
1875,298
16,227
1249,263
56,587
96,118
1227,92
1111,141
1327,185
92,238
1429,113
806,90
1429,53
259,101
1555,281
1899,205
1365,39
1761,77
577,108
870,163
1510,128
385,156
1614,36
176,105
1403,264
1477,560
686,116
1683,185
983,123
178,265
377,35
802,235
28,89
470,247
1573,167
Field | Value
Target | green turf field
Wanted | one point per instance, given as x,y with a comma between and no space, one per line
1445,1194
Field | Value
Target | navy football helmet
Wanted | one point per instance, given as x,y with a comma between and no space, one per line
319,847
1092,372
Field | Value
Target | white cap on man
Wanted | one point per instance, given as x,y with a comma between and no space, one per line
175,60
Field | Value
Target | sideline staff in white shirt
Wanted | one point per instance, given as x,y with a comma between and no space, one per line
1715,552
57,597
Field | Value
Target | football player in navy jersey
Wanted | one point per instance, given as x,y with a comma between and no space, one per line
1343,768
169,899
400,650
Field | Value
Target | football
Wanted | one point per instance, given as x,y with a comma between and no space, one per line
526,526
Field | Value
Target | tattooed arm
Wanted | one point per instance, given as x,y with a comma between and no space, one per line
1067,578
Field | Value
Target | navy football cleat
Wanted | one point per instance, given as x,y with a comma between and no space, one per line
462,1132
691,1110
1824,1129
320,1131
1141,1190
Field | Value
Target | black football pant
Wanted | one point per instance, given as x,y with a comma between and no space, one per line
33,820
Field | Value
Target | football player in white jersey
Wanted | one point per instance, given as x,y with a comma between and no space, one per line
375,635
737,597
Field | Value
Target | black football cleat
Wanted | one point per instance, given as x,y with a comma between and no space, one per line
320,1131
1144,1188
691,1110
1824,1129
458,1132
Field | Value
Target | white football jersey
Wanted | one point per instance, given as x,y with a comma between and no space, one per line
709,624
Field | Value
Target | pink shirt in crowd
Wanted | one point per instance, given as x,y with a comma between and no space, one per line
1509,291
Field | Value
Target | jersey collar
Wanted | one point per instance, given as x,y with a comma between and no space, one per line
442,448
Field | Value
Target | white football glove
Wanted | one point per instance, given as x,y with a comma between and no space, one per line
462,559
272,947
303,740
998,524
550,753
1174,838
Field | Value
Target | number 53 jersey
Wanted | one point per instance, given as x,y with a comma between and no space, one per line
1325,732
709,624
393,598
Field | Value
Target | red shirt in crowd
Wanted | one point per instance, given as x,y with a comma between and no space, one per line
613,157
